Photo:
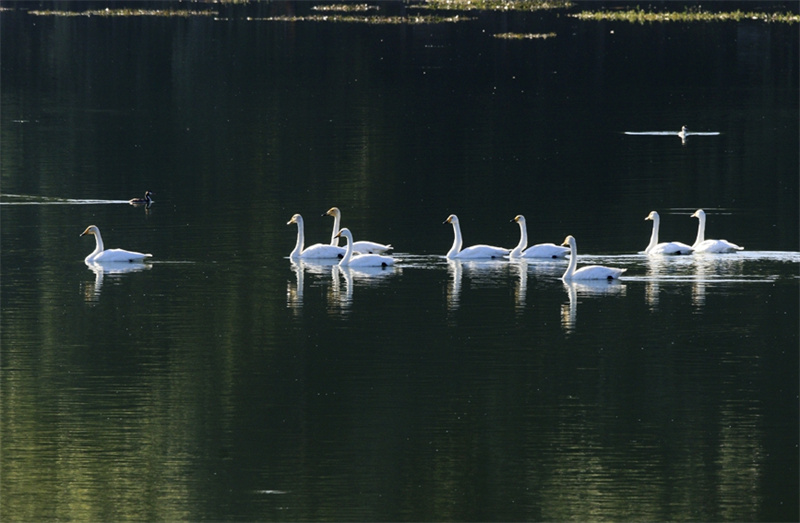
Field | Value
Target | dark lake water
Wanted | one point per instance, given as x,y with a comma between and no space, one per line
221,381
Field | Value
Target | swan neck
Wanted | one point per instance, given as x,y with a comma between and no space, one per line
701,231
337,220
457,241
523,240
653,235
298,247
98,240
573,261
348,253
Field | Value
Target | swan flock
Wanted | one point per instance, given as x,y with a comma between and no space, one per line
373,254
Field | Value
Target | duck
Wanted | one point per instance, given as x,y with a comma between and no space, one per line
147,200
317,251
655,248
712,246
588,272
473,252
540,250
102,255
361,246
362,260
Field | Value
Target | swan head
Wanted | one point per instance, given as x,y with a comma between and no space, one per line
451,219
92,229
684,129
519,219
569,241
699,213
295,219
652,216
333,211
344,232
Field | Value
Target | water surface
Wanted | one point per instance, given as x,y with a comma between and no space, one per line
222,381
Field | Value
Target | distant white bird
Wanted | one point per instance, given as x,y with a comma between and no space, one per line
703,245
361,246
540,250
473,252
588,272
102,255
362,260
316,251
665,247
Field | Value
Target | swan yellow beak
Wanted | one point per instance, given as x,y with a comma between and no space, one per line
87,231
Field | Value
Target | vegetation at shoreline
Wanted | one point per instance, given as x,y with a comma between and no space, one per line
641,16
374,20
525,36
124,12
494,5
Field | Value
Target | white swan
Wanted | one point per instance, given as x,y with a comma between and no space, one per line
665,247
361,246
362,260
101,255
475,251
540,250
703,245
316,251
589,272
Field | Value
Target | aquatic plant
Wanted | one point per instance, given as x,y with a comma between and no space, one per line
495,5
525,36
641,16
345,8
374,20
124,12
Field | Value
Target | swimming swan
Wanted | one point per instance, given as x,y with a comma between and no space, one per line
666,247
476,251
589,272
540,250
147,200
362,260
101,255
703,245
361,246
316,251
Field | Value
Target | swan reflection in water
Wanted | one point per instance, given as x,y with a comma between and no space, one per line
707,269
478,271
586,289
545,269
111,269
294,290
337,295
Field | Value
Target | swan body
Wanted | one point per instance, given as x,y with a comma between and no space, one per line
317,251
361,246
102,255
540,250
588,272
362,260
714,246
654,248
473,252
147,200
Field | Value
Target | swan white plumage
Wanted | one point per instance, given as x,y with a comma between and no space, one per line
475,251
588,272
317,251
665,247
362,260
540,250
361,246
715,246
102,255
